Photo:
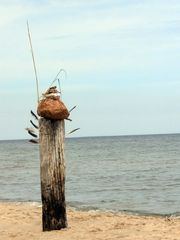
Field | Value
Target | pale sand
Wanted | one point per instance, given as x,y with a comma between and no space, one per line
23,221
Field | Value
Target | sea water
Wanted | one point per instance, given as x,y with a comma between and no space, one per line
139,174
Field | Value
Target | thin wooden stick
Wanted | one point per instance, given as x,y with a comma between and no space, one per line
35,71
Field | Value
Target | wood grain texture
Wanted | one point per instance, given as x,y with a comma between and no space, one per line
52,171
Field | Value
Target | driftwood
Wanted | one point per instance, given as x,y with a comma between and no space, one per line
52,169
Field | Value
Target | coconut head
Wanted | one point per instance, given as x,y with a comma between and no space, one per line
52,108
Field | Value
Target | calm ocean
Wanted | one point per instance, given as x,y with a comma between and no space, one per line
138,174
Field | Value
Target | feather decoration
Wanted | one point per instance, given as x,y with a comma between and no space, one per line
34,115
69,119
72,109
31,132
34,125
33,141
73,131
30,129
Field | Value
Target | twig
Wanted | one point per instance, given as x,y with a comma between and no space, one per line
35,71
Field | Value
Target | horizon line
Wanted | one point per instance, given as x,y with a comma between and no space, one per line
99,136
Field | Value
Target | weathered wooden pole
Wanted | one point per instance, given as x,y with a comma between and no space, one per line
52,168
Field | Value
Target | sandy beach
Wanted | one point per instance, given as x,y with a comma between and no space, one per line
23,221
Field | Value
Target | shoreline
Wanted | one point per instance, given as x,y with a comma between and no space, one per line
20,221
89,209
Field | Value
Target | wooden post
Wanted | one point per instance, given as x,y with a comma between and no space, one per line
52,169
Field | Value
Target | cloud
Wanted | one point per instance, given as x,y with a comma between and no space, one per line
9,13
102,44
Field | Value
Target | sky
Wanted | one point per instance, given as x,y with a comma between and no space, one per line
122,60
